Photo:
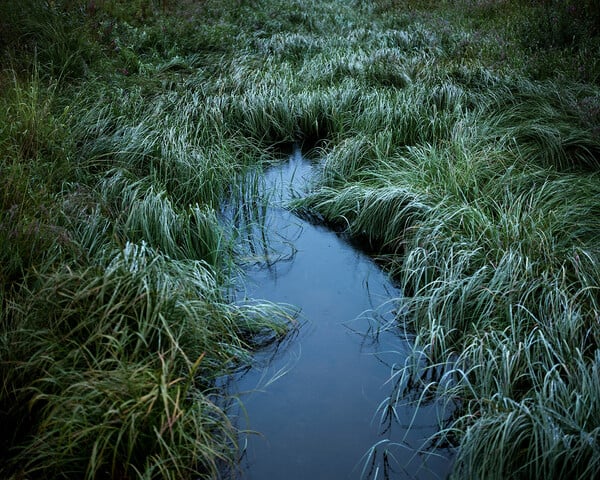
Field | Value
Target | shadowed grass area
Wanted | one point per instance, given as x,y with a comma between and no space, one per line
461,140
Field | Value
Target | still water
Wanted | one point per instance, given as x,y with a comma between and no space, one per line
311,402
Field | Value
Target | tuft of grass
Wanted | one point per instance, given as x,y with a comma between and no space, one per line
113,361
32,141
53,34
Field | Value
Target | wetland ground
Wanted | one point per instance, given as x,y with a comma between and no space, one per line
459,141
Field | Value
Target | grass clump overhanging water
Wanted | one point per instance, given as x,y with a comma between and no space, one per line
459,139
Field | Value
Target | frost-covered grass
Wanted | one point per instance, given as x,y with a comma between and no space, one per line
463,151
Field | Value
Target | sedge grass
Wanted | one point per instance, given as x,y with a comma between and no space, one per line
123,136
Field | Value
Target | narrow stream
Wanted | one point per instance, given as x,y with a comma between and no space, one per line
313,399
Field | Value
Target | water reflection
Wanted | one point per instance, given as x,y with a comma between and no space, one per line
318,400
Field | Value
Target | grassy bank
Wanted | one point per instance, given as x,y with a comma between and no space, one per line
115,279
460,139
477,176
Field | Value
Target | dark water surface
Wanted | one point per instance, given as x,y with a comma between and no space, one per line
313,400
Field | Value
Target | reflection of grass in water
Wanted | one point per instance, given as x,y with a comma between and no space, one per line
122,140
253,212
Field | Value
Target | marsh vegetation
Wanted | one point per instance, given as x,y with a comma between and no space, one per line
460,141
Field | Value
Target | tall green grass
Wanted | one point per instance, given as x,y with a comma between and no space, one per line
464,153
